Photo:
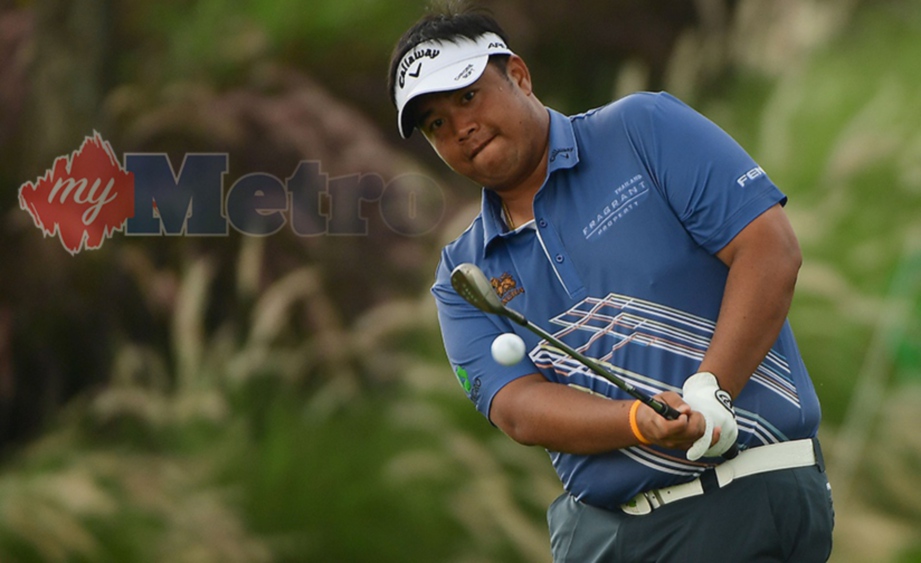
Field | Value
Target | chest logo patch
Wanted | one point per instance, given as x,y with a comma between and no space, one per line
506,287
625,198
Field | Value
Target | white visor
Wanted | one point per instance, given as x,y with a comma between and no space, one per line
441,66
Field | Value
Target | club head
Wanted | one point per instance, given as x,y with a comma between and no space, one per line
470,283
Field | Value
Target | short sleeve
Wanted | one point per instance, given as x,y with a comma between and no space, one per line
468,333
711,183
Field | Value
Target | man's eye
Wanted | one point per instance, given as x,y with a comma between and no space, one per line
435,124
469,95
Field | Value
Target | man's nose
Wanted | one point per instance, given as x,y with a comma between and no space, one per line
464,125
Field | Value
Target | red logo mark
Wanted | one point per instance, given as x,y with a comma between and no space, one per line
84,198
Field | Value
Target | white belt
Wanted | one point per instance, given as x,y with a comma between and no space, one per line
785,455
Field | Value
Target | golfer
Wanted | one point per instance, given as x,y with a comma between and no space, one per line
642,235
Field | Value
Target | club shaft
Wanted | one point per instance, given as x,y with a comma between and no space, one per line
658,406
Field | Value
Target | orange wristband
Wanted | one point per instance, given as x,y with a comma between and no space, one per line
633,425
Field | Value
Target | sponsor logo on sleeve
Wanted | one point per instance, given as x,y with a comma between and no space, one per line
750,176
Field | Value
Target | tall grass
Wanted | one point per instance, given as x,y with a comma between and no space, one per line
839,132
263,447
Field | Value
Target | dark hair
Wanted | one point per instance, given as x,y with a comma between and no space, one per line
446,22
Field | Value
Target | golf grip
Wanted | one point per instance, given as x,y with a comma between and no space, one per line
671,414
664,409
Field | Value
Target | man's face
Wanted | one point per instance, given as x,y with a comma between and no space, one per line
489,131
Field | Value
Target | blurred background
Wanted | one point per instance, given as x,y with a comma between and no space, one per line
286,398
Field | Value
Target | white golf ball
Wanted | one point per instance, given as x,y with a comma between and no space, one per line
508,349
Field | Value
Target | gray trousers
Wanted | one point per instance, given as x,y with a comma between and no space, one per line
784,515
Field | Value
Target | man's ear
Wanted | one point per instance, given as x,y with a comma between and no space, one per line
517,71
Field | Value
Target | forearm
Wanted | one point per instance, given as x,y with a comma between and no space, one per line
758,294
534,411
560,418
748,326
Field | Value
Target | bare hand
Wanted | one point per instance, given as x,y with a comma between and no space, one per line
678,434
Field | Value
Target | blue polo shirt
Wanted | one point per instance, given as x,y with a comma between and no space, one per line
619,263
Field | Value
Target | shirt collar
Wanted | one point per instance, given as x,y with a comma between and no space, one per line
563,153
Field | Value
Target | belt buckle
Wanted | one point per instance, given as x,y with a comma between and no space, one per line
643,503
638,505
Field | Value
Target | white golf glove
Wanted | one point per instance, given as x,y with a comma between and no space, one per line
702,392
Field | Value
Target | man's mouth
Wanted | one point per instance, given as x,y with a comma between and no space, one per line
479,148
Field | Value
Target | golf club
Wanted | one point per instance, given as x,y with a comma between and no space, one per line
470,283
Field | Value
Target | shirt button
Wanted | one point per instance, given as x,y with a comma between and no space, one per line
559,258
542,223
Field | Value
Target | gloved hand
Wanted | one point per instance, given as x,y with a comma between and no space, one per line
702,392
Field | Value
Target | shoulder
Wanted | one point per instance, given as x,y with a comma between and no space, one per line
633,109
642,120
467,247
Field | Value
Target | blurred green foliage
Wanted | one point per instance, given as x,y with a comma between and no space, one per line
347,42
840,135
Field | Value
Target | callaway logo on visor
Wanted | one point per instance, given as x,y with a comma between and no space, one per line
410,59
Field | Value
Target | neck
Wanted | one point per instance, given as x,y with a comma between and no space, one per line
518,202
